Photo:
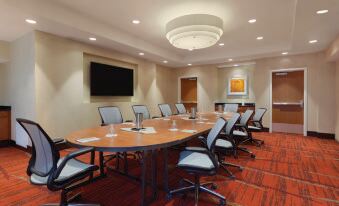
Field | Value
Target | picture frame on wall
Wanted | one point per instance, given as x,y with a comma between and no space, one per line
237,86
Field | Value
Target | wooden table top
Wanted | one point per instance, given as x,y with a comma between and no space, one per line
136,141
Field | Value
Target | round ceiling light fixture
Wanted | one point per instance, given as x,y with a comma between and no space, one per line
195,31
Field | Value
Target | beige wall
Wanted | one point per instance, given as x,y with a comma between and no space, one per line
207,87
4,51
337,103
20,85
321,86
224,74
63,103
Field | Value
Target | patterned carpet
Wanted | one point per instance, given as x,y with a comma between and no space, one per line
289,170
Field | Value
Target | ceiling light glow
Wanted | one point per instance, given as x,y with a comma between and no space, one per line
230,60
185,32
189,64
165,61
141,54
313,41
260,38
30,21
251,21
322,11
92,38
221,44
284,53
136,21
236,65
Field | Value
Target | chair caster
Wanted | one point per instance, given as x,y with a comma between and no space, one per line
214,186
232,177
222,202
241,169
253,156
169,196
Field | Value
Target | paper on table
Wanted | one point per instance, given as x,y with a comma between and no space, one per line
88,139
189,131
210,122
146,130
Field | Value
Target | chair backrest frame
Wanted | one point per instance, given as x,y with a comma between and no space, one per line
55,156
181,109
115,112
231,107
245,117
165,110
141,109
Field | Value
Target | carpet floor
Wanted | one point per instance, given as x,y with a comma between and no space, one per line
288,170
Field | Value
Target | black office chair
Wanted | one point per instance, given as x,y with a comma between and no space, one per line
227,143
47,168
242,134
201,161
165,110
180,108
112,115
143,110
231,108
256,126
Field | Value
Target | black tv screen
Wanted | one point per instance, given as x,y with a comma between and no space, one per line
107,80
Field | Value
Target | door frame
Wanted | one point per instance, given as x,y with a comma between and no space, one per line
179,87
305,95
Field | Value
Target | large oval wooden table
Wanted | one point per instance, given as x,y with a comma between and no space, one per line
127,141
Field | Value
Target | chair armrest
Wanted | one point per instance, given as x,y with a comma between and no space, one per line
70,156
196,149
58,140
203,140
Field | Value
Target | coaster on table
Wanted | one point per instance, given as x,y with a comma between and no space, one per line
166,119
174,129
88,139
210,122
192,131
111,135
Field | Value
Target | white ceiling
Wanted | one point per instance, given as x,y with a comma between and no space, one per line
286,25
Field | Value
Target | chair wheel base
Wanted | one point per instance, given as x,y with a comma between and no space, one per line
214,187
253,156
222,202
169,196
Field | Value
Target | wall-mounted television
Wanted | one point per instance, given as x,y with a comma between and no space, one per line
108,80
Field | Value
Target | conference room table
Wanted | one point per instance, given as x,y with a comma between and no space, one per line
159,135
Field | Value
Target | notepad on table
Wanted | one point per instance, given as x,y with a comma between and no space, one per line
88,139
189,131
146,130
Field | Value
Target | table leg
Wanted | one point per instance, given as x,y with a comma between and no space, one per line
154,174
125,163
165,178
143,177
101,164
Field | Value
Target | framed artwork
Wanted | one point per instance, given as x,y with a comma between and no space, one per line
237,86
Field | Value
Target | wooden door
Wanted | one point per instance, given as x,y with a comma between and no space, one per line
189,92
288,102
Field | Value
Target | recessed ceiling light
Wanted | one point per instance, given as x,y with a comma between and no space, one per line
189,64
236,65
165,61
284,53
136,21
322,11
313,41
251,21
92,39
141,54
30,21
191,49
230,60
260,38
221,44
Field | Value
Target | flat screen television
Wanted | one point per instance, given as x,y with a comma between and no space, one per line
108,80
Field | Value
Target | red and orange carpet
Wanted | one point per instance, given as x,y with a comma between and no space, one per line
288,170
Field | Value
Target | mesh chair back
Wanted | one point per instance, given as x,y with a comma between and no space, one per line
181,108
214,133
231,108
231,123
165,109
259,113
110,115
245,117
44,154
141,109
